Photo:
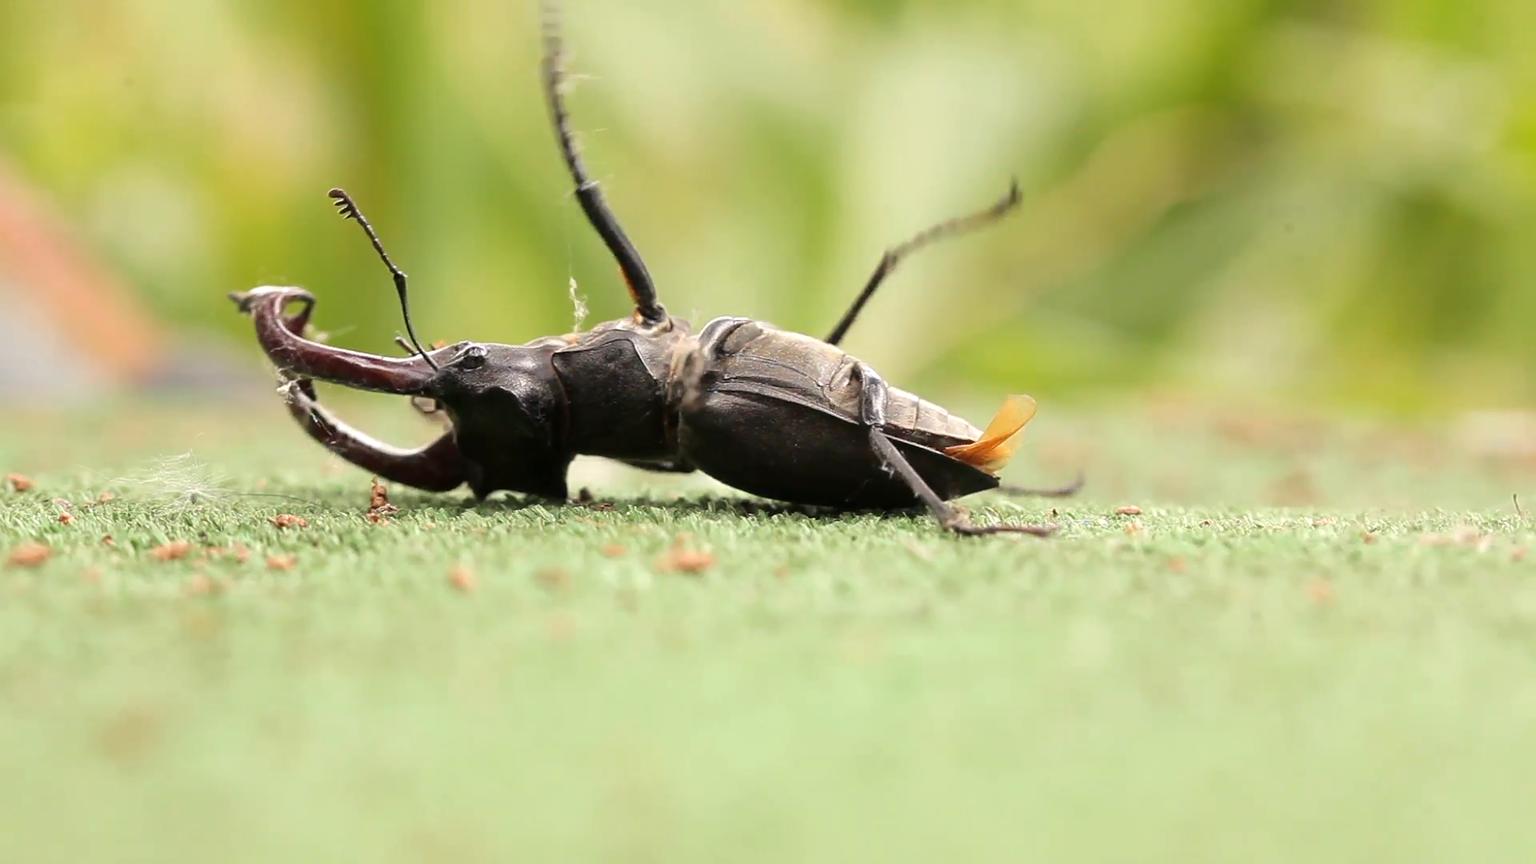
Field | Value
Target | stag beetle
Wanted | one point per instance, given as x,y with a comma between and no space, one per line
768,411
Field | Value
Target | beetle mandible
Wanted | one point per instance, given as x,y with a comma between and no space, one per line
768,411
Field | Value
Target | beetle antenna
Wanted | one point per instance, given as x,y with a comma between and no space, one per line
893,256
348,210
641,289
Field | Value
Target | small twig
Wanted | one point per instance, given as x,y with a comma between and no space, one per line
1519,511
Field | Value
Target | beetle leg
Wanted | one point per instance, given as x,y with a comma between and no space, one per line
895,254
872,411
949,516
1066,491
437,467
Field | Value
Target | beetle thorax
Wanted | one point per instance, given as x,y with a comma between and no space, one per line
615,383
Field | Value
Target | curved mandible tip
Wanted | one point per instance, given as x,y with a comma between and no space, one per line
281,336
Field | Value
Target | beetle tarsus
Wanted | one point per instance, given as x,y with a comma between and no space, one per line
949,516
964,527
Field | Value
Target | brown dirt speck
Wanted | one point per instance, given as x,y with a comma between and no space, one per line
1461,535
28,555
462,579
18,482
66,518
553,578
172,551
282,562
1320,592
683,558
1128,510
238,552
288,520
131,735
380,510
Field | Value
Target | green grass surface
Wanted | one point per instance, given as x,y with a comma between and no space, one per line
1316,643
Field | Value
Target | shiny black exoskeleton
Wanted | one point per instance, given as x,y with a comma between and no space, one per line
771,412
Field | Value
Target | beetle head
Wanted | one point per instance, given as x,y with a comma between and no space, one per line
511,389
504,400
508,414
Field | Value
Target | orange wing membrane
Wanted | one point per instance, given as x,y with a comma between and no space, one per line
995,447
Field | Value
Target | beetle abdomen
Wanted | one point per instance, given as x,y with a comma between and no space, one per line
777,414
748,356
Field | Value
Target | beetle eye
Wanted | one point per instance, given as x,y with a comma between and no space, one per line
472,358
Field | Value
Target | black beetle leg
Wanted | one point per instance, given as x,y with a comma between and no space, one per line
436,467
872,408
1066,491
948,515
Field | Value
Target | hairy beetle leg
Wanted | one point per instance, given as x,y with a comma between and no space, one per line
949,516
437,467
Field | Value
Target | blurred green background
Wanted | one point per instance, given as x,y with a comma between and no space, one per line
1329,203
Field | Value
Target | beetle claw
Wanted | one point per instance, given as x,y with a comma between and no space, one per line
969,530
961,524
